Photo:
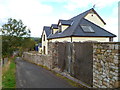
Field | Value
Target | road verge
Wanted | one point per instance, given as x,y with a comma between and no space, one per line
8,76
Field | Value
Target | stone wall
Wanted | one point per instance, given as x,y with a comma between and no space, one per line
73,59
38,59
106,65
96,64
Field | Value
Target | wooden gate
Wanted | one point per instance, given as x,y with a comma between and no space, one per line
77,60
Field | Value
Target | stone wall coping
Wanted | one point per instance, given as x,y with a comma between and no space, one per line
36,54
88,42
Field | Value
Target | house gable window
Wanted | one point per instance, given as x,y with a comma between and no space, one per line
44,50
44,38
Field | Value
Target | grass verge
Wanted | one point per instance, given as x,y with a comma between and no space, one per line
8,78
71,82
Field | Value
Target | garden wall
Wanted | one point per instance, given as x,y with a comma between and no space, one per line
96,64
38,59
106,65
74,58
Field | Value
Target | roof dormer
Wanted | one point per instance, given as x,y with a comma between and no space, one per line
54,28
64,24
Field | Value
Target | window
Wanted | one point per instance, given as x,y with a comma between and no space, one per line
44,50
60,29
44,38
52,31
87,28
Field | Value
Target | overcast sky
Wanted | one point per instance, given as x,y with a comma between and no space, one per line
38,13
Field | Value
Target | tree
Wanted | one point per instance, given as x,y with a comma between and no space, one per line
13,33
15,28
28,44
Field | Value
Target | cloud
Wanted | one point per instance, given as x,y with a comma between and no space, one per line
104,3
27,8
36,13
55,1
112,22
32,12
74,4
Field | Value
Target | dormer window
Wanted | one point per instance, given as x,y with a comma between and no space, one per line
54,28
52,31
60,29
64,24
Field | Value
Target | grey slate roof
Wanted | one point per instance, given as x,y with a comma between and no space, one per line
40,44
76,30
47,30
55,26
65,22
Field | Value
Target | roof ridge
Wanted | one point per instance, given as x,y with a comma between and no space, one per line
81,13
84,13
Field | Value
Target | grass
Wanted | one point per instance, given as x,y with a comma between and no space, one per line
8,78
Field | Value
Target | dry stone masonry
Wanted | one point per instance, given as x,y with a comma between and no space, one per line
38,59
106,65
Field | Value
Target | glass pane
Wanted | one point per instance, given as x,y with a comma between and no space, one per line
87,28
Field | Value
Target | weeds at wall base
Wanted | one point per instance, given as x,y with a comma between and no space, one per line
8,77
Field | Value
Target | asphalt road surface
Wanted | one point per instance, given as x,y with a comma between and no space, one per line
29,75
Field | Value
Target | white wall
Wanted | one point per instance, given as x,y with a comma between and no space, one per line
40,50
55,30
44,43
99,39
68,39
64,27
80,39
95,19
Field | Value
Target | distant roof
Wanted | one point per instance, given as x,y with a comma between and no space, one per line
47,30
65,22
76,30
55,26
40,44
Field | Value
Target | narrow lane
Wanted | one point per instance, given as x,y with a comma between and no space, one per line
29,75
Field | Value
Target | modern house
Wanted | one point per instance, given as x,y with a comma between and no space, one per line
87,26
